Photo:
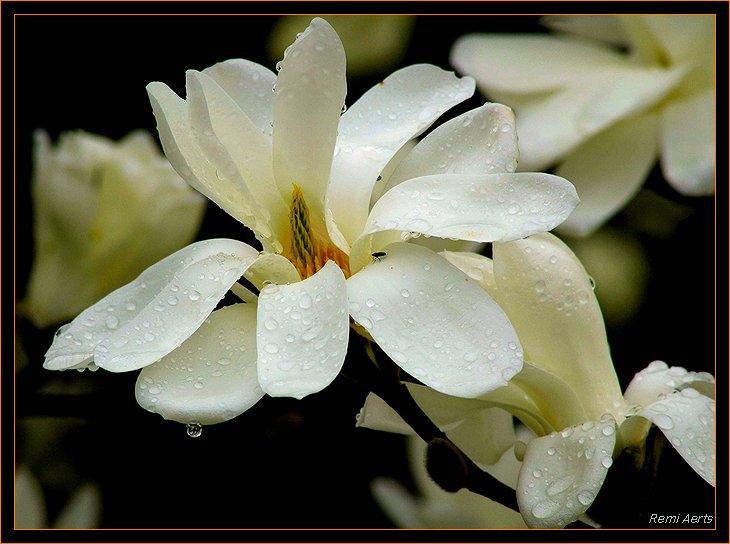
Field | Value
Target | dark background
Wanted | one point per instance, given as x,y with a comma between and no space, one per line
284,463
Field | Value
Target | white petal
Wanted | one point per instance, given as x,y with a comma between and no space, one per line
687,419
186,156
480,208
659,379
551,127
528,64
688,144
211,377
480,141
249,85
563,472
310,93
547,294
302,333
434,322
146,319
377,126
239,150
608,170
376,414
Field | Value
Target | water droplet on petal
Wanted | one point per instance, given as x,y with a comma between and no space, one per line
545,509
585,498
111,322
663,421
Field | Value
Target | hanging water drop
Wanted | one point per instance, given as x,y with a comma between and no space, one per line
194,430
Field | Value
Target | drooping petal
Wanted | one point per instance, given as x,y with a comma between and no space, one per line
687,419
434,322
688,144
310,93
480,141
659,379
528,63
563,472
238,149
376,126
480,208
144,320
548,296
249,86
302,333
608,170
211,377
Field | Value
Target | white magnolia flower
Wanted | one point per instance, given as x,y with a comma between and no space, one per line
602,115
567,392
289,166
103,212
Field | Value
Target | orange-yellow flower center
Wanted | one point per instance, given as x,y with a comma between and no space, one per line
310,246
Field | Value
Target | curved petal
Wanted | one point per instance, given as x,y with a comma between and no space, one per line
302,333
211,377
398,503
310,93
30,504
608,170
480,141
528,63
687,419
146,319
547,294
83,509
186,156
688,144
480,208
434,322
238,150
249,86
563,472
551,127
377,126
659,379
271,268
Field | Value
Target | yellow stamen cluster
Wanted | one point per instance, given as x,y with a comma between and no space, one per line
311,248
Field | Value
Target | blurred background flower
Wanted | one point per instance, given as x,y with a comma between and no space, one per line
103,212
603,99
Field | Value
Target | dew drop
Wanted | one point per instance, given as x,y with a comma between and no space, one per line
271,348
194,295
405,293
112,322
585,498
606,462
663,421
172,300
545,509
194,430
271,324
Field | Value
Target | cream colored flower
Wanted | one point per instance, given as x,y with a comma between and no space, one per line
603,116
567,393
103,212
299,173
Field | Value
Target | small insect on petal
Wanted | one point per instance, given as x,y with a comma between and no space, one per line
378,255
